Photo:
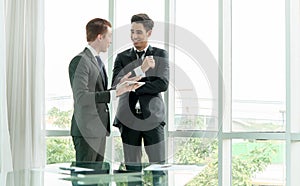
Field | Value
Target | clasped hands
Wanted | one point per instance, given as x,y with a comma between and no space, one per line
126,87
148,63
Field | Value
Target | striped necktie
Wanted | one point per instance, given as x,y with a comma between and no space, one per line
102,71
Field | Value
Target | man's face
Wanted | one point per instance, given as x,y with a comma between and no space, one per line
106,40
139,35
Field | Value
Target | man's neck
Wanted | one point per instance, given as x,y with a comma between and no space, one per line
94,46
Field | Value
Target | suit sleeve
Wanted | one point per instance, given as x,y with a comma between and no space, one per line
159,81
122,66
118,72
79,73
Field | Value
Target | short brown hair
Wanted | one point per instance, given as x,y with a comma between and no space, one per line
96,26
144,19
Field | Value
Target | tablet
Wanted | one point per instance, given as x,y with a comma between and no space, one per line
133,82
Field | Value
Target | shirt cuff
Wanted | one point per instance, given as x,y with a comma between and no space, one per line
139,72
113,94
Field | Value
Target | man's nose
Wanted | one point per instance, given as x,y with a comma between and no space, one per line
134,36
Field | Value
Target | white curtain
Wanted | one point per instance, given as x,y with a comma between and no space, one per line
23,88
5,150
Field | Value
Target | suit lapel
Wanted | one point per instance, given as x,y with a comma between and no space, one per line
131,59
132,55
93,60
138,62
149,51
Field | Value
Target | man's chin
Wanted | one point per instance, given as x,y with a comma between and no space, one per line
136,43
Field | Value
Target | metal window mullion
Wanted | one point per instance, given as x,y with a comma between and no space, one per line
292,92
225,89
109,142
288,91
169,96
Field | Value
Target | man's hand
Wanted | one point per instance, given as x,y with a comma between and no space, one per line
148,62
126,87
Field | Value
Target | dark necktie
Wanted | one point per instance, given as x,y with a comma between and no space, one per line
140,53
138,106
102,71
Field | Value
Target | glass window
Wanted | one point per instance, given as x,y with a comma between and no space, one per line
155,9
198,27
258,162
258,65
65,37
199,151
60,150
258,79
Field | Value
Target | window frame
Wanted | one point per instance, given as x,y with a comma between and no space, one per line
291,135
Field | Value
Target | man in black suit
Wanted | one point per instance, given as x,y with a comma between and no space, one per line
90,121
141,114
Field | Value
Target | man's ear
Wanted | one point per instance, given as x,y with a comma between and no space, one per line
100,36
149,33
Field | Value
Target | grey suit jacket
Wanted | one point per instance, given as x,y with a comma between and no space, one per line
149,95
91,112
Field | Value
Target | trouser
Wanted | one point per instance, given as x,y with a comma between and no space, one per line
89,149
154,143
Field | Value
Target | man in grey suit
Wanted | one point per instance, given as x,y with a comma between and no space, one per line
140,114
88,78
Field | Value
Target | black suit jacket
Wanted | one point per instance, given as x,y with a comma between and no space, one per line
149,95
91,113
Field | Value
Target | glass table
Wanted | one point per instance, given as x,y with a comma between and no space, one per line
104,174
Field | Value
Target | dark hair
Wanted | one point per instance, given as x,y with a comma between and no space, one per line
96,26
144,19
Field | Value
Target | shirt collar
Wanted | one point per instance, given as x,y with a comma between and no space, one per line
145,49
92,50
